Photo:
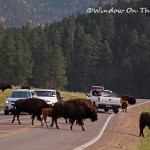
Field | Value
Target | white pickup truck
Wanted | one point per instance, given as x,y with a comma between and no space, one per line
105,100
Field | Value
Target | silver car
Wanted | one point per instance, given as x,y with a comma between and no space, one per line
15,95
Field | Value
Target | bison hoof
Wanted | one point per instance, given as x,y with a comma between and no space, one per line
51,126
83,129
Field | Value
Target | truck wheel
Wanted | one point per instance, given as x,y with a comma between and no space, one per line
6,112
106,109
116,111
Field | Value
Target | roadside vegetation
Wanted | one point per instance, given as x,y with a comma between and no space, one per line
142,143
3,96
71,95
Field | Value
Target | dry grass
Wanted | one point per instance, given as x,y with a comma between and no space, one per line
3,95
71,95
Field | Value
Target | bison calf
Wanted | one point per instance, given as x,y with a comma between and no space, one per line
144,121
124,105
46,112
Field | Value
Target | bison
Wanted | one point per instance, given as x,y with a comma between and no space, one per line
32,106
124,105
4,86
46,112
130,99
144,120
74,110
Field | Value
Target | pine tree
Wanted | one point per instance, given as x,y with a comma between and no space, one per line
58,64
40,58
23,68
7,56
108,29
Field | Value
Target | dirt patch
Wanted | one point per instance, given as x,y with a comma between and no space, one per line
126,132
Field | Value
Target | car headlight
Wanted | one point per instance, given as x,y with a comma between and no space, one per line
7,102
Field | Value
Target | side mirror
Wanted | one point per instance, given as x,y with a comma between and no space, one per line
87,94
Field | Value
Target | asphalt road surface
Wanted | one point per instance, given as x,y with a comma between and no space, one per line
35,137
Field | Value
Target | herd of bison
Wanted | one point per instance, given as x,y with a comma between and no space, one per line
72,110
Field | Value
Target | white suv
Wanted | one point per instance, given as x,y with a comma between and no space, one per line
48,95
15,95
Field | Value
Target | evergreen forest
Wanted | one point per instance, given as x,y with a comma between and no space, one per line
110,49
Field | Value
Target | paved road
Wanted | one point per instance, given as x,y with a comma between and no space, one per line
28,137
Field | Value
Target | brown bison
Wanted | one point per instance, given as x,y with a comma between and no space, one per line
46,112
32,106
144,120
131,99
4,86
124,105
74,110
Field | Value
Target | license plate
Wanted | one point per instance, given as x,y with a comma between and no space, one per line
108,105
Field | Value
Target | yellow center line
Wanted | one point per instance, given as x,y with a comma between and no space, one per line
19,131
5,131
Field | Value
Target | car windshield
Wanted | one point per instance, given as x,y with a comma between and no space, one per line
20,94
107,93
45,93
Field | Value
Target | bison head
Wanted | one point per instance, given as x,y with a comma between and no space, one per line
93,114
132,100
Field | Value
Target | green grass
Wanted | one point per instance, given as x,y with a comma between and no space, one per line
143,143
145,109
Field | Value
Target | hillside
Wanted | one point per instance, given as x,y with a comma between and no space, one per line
15,13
